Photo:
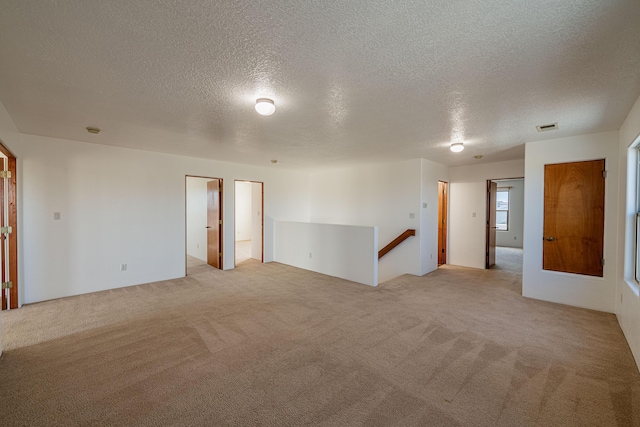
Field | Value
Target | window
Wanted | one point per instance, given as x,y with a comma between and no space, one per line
502,209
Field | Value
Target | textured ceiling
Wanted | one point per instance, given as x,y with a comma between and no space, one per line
353,80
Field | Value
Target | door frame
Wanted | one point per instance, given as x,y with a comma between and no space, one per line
12,218
221,234
443,223
487,213
261,216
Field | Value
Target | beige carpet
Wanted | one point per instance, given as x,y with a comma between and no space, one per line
271,345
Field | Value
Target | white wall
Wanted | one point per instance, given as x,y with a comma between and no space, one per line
243,210
382,195
124,206
468,197
197,217
431,174
348,252
574,289
627,296
513,236
256,220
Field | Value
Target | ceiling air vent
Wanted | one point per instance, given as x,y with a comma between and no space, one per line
544,128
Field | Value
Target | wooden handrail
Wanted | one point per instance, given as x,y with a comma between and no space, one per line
401,238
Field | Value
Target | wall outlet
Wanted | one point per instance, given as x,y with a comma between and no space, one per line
424,205
515,238
310,255
56,216
123,267
620,298
431,255
412,215
473,214
198,246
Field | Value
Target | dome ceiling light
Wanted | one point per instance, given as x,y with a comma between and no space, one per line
265,106
457,147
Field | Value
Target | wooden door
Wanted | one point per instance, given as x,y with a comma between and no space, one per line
574,217
3,237
442,222
214,254
492,189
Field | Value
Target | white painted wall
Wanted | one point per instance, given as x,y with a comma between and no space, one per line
197,217
345,251
468,196
513,236
431,174
243,210
125,206
574,289
627,294
256,220
382,195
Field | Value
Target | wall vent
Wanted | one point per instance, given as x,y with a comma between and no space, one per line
544,128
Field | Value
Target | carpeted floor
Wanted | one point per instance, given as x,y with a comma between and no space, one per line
271,345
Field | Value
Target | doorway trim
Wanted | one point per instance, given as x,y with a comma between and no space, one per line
221,234
12,221
487,219
443,210
261,216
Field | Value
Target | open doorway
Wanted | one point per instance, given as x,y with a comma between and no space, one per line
8,229
443,192
505,223
249,221
203,208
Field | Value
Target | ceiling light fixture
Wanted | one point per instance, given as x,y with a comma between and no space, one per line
265,106
91,129
457,147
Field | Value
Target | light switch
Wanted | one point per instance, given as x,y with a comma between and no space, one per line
412,215
473,214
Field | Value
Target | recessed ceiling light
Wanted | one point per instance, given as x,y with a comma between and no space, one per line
544,128
457,147
478,157
274,161
93,130
265,106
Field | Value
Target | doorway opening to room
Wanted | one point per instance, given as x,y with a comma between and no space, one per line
203,203
443,192
505,223
249,221
8,229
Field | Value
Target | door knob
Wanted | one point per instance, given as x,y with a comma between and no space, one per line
549,238
208,226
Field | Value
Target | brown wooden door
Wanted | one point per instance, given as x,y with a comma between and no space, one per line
492,189
442,222
213,223
574,217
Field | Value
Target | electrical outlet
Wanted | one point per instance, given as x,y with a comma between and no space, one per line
412,215
310,255
431,255
198,246
123,267
56,216
473,214
620,298
515,238
424,205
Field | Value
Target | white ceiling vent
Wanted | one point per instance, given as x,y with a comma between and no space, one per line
544,128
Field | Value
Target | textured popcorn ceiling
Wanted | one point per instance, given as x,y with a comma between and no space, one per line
353,80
